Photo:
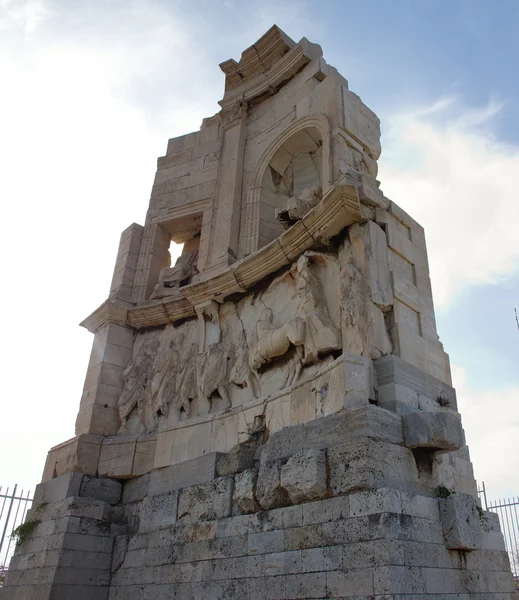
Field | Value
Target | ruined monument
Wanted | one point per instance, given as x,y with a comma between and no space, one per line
272,416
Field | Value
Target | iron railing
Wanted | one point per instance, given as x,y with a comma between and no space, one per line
508,512
13,508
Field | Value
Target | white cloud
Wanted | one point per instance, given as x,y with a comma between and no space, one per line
445,167
491,423
78,151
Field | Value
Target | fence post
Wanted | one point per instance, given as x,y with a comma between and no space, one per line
7,518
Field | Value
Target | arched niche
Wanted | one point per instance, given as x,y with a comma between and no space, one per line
297,160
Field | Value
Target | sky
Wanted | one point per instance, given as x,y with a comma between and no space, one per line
90,92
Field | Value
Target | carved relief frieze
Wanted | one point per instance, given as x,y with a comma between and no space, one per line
235,352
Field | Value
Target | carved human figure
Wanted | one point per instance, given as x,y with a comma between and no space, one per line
212,369
311,332
165,374
135,377
171,278
241,373
295,208
320,335
187,388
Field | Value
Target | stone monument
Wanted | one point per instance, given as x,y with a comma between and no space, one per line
272,416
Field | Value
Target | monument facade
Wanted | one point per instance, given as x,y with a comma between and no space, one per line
272,416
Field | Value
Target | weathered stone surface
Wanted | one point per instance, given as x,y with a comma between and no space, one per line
206,501
367,464
190,472
119,551
136,489
240,457
244,494
438,430
394,370
57,489
462,520
303,477
329,431
269,492
80,454
116,457
158,511
108,490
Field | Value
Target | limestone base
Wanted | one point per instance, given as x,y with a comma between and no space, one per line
356,515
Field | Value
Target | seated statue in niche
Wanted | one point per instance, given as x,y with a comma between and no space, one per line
185,268
295,208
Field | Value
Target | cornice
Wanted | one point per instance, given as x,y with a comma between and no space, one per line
339,208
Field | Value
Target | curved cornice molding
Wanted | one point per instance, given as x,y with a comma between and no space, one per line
338,209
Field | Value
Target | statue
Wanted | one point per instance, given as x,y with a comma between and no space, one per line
164,380
186,390
212,368
135,377
295,209
311,332
241,373
171,278
320,336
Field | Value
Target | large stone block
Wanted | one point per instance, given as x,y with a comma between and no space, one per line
269,491
461,519
244,494
116,457
190,472
108,490
394,370
303,477
326,432
240,457
367,464
206,501
436,430
79,454
158,511
57,489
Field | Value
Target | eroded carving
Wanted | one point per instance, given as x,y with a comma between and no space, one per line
241,373
187,384
320,336
171,278
295,208
213,375
135,397
312,332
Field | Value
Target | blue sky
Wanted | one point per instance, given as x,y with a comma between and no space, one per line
91,91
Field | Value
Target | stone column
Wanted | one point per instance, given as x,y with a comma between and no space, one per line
223,247
126,263
111,354
154,255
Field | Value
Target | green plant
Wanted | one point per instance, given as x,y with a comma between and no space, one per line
23,532
443,491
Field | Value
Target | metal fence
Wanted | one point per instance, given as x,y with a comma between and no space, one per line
13,508
508,512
